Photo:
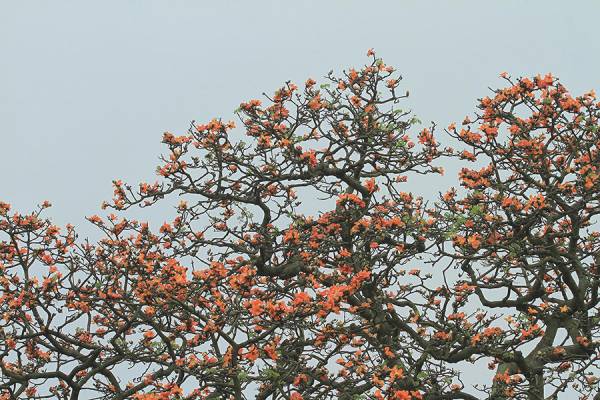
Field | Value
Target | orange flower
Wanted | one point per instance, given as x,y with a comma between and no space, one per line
370,185
538,201
10,342
426,137
256,307
474,241
475,339
456,316
489,332
148,335
315,103
270,351
252,353
468,156
544,82
310,156
352,198
353,75
396,373
149,311
504,377
459,240
301,298
402,395
228,356
344,253
95,219
291,235
166,227
441,335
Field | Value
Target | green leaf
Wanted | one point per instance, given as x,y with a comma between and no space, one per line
514,249
387,127
270,373
476,210
459,220
450,234
242,376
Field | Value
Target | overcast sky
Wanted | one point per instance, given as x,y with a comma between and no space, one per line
88,88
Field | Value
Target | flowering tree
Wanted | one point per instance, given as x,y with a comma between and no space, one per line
525,237
296,267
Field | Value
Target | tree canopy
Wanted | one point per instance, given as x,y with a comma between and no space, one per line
298,264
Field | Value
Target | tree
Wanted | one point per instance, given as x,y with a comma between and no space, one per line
296,267
525,235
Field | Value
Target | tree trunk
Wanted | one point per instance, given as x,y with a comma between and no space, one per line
499,387
536,386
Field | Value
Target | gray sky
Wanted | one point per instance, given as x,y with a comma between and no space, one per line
88,88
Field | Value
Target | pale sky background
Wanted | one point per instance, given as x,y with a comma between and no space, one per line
88,88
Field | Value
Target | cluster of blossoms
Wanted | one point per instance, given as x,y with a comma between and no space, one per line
249,292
